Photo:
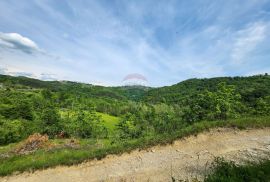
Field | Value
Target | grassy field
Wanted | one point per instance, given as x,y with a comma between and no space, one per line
109,121
98,148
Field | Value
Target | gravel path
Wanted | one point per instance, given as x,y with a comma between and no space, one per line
184,159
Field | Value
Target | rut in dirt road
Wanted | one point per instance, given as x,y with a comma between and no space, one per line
185,159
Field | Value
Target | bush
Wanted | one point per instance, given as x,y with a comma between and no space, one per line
262,106
128,128
224,171
222,104
16,109
10,131
50,120
84,124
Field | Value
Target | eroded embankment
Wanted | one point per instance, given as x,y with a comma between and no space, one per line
184,159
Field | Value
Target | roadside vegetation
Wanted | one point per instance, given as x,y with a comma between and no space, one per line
66,152
224,171
44,124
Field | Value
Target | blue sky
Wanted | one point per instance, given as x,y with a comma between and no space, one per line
101,41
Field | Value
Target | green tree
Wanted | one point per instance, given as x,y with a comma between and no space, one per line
10,131
85,124
224,103
262,106
50,121
128,128
221,104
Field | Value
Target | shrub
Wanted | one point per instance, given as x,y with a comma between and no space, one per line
10,131
84,124
221,104
224,171
50,120
128,128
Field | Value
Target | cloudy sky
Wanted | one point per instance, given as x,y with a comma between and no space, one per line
102,41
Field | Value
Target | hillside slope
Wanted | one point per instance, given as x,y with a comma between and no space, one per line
89,90
184,159
248,87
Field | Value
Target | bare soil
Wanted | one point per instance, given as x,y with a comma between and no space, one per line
185,159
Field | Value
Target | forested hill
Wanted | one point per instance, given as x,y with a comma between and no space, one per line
247,87
82,89
86,111
258,86
255,86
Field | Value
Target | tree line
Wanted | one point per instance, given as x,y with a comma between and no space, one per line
69,109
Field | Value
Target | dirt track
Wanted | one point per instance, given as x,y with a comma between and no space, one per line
185,159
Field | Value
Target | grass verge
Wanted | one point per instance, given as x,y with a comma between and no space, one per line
43,159
224,171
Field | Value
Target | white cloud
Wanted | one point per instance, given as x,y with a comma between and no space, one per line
17,41
101,43
3,70
246,41
47,76
13,71
25,74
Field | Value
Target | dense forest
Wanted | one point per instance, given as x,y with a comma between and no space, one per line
69,109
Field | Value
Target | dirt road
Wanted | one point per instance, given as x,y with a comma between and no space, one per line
185,159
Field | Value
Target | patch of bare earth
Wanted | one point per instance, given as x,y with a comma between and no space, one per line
185,159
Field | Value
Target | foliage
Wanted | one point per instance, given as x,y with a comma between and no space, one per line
128,128
262,106
123,118
67,156
10,131
84,124
250,88
142,111
50,121
224,171
221,104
